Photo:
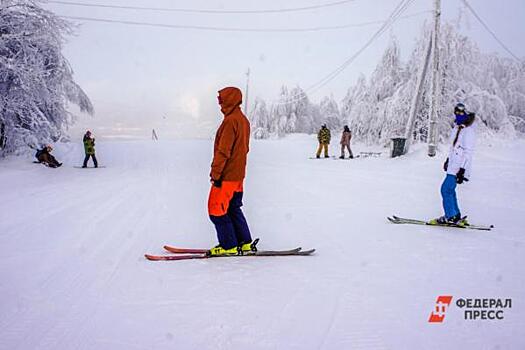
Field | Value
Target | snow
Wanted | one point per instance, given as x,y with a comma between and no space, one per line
73,242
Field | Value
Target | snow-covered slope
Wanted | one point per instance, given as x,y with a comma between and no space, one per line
73,274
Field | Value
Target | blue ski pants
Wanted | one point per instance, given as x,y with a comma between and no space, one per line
450,200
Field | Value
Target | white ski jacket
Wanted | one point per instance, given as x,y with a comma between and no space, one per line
460,154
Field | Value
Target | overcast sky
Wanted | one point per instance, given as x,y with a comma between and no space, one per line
140,77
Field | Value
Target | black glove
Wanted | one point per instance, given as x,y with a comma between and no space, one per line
217,183
445,165
460,176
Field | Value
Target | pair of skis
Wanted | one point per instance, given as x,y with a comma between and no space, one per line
335,157
191,253
398,220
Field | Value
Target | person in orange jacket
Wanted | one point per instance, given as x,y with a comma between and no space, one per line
228,170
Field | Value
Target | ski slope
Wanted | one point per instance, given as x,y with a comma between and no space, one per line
73,240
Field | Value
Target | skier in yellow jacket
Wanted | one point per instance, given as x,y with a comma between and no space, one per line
324,140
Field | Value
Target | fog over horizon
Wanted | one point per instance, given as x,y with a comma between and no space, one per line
141,78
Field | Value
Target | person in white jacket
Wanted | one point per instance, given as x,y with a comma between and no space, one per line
458,165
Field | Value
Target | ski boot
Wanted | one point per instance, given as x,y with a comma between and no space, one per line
462,221
456,220
220,251
442,220
438,221
327,156
342,157
249,247
317,156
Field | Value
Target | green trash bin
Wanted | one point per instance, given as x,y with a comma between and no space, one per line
398,146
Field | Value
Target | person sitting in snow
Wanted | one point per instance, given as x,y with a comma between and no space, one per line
324,140
228,170
345,142
458,165
89,149
44,156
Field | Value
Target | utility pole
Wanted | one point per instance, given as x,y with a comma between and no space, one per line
246,110
432,127
417,95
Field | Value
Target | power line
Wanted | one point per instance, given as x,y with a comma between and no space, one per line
394,16
490,31
236,29
208,11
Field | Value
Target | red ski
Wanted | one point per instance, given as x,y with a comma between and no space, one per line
176,250
175,257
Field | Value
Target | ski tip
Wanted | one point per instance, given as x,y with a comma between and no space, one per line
151,257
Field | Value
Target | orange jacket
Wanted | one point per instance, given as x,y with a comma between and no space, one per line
232,139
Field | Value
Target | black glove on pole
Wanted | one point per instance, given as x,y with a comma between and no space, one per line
460,176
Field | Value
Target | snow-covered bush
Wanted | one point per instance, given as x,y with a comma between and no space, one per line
36,81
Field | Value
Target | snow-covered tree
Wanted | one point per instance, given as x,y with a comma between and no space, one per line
260,120
329,114
493,87
36,81
301,112
372,109
376,109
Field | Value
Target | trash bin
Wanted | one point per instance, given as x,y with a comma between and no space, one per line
398,146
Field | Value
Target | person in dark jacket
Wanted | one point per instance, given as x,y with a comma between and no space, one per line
228,170
44,156
89,149
345,142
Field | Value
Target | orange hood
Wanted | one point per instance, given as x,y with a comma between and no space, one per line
231,98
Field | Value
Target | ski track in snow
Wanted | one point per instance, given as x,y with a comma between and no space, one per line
74,275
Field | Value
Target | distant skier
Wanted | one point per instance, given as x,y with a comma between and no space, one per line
44,156
345,142
458,165
324,140
89,149
228,170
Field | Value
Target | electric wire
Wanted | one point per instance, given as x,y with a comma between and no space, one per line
386,24
394,16
236,29
207,11
467,4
